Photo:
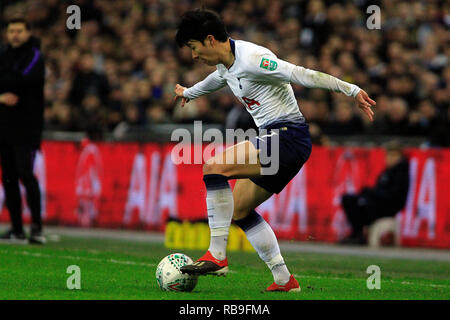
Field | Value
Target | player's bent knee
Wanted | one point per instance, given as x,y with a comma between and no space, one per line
240,213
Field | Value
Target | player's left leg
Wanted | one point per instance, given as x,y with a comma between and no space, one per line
238,161
248,196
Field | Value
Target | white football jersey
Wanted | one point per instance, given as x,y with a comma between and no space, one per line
261,82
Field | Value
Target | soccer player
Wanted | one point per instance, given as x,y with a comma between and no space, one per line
261,81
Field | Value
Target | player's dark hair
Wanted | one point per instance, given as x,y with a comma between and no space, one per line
198,24
19,20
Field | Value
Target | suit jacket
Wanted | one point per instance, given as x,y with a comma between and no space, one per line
22,72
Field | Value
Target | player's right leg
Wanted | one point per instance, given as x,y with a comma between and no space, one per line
248,196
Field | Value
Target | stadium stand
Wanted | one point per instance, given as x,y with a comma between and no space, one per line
119,70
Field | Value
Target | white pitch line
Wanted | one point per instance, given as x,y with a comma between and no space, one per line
391,281
41,255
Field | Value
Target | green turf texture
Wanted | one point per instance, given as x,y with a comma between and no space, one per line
118,269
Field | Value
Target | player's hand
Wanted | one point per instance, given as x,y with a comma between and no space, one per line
365,103
179,93
8,98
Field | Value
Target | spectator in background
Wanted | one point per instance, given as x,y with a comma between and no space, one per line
59,117
239,118
21,122
157,114
205,112
318,138
315,27
424,119
396,121
92,118
132,116
345,122
321,113
201,111
440,133
385,199
379,123
88,81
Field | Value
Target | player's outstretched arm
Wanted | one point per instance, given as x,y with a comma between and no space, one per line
315,79
211,83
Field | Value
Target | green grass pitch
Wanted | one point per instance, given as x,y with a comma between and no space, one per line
119,269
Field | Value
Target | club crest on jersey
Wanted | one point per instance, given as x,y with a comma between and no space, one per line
268,64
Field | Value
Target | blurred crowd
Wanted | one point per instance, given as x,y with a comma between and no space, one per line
119,70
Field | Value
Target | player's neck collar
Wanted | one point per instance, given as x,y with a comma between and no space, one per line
233,51
233,47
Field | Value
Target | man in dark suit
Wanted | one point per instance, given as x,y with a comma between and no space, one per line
385,199
22,75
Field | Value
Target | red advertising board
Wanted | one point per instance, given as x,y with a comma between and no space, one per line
131,185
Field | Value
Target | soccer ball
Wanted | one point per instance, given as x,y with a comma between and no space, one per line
169,276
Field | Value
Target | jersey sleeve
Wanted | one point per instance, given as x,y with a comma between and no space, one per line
211,83
267,67
316,79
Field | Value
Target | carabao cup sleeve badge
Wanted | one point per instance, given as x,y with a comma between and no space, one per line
268,64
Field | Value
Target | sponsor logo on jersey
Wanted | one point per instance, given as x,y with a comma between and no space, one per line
250,102
268,64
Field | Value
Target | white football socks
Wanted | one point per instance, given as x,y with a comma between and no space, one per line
279,270
218,242
219,201
263,239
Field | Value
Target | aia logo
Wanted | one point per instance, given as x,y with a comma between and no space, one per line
250,102
88,184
